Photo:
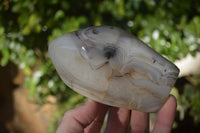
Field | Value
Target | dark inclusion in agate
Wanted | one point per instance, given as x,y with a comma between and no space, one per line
109,52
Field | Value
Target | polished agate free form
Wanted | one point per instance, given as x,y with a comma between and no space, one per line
111,66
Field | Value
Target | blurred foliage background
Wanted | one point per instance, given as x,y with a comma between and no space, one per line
171,27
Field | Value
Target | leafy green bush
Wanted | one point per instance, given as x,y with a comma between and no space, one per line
170,27
189,98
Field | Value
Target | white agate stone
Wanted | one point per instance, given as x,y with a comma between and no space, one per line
113,67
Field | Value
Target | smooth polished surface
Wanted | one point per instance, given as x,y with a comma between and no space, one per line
113,67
